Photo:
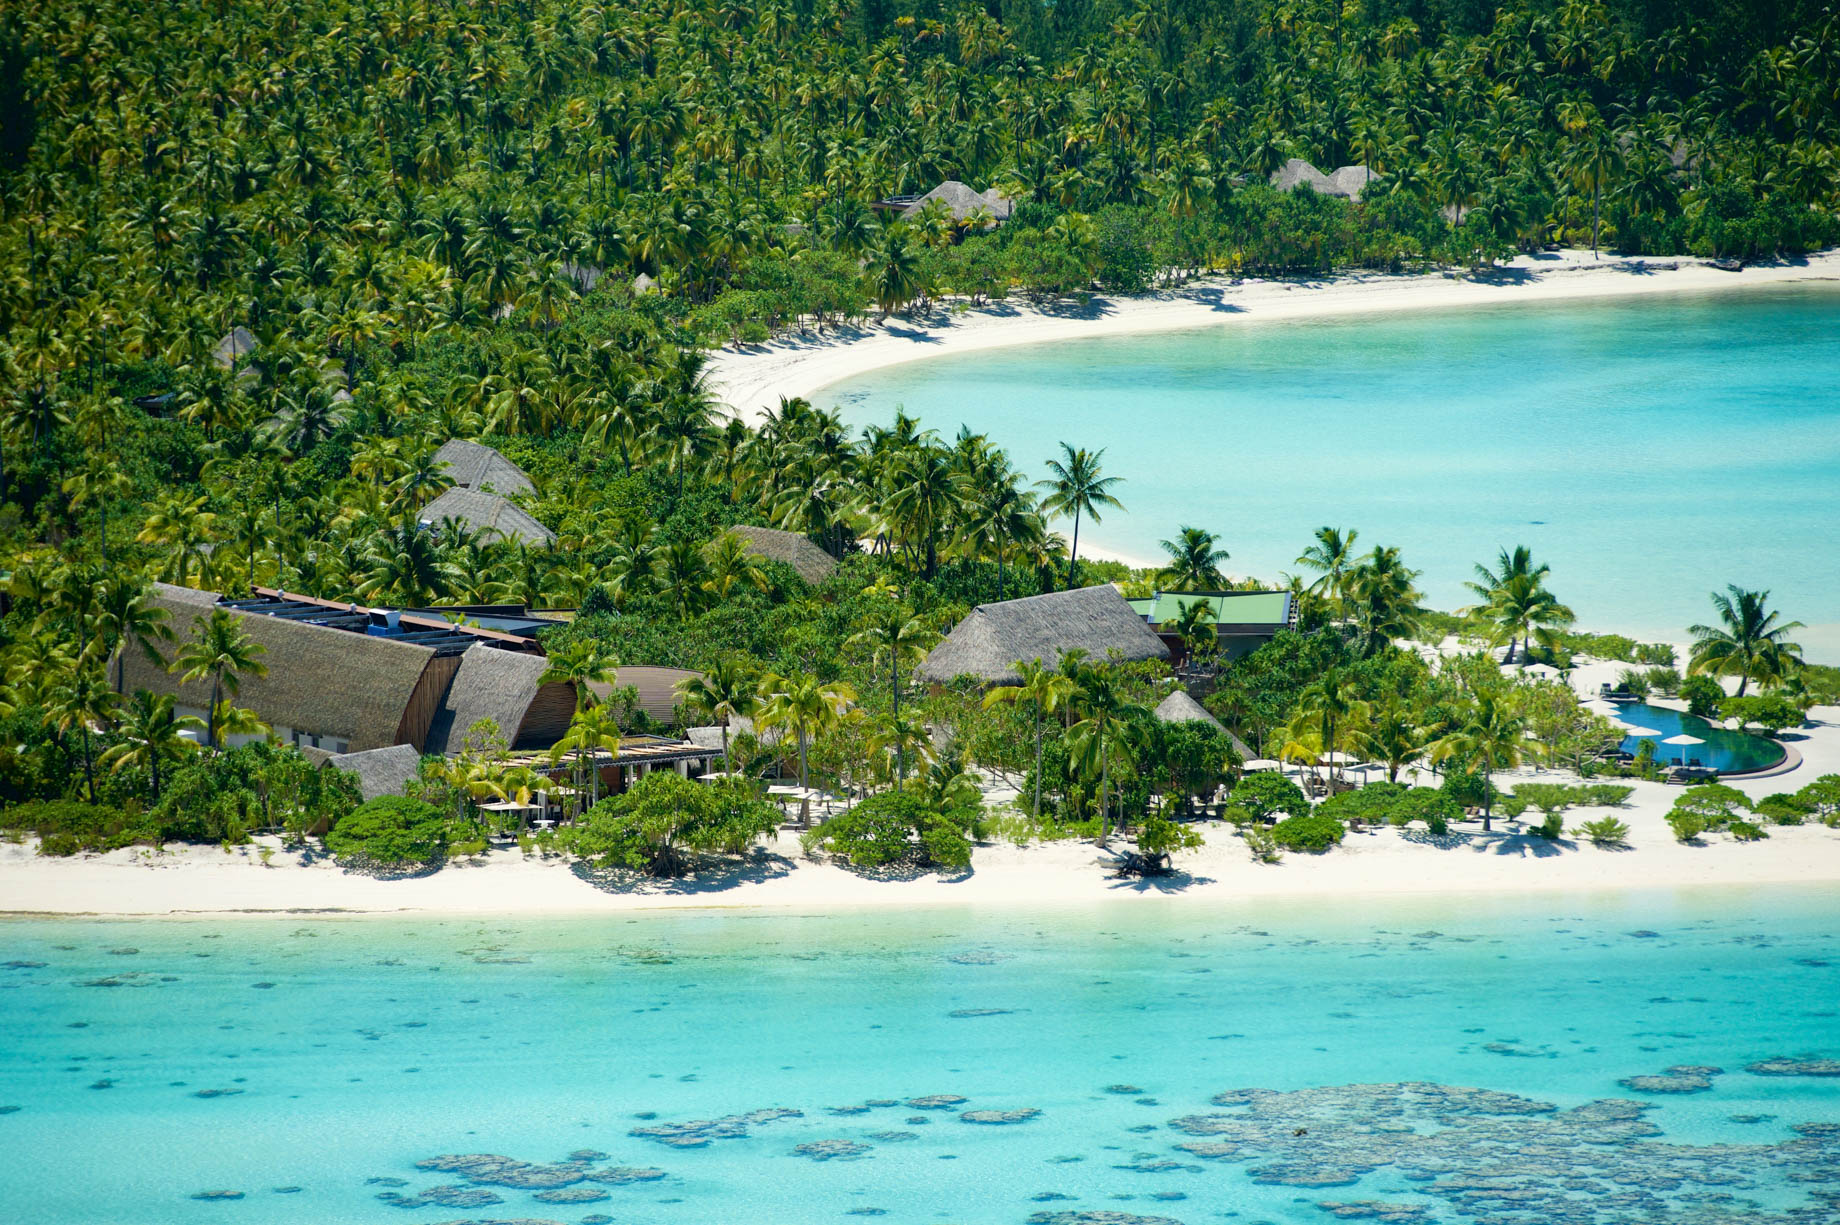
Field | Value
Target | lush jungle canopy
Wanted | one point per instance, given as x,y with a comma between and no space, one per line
525,221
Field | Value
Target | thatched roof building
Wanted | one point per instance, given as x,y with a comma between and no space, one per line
994,638
380,772
325,688
233,347
1347,182
1179,707
813,564
481,469
657,689
488,514
502,686
964,203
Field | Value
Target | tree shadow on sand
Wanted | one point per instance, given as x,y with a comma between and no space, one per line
709,875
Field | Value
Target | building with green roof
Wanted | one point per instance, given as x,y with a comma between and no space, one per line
1243,620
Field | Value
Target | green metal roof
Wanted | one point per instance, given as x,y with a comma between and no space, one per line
1271,608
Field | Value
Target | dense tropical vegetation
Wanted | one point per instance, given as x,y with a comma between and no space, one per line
258,263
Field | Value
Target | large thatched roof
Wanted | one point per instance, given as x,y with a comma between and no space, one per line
994,638
963,202
491,684
1345,181
1179,707
657,688
380,771
813,564
480,468
320,680
487,514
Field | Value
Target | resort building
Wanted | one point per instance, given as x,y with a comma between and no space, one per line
994,638
1346,182
491,516
960,201
1179,707
1243,621
812,563
479,468
374,689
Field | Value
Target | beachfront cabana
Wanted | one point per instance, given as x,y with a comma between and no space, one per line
1347,182
1179,707
481,469
810,562
488,514
993,638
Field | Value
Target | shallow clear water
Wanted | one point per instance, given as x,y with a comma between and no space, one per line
1650,449
1724,749
356,1048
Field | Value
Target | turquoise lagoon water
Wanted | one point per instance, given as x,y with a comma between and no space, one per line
1724,749
1465,1057
1650,449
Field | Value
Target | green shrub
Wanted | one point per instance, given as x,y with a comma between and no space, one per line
1748,831
1605,831
1714,803
1784,808
1513,806
1470,790
76,825
1687,825
1267,795
1436,809
892,828
1160,838
1312,834
1703,695
1551,826
1549,798
1372,804
1260,844
391,833
1822,797
1604,795
665,820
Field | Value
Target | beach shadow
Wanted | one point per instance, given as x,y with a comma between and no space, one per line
1073,308
1528,846
1215,299
902,333
1503,276
1442,842
1176,881
709,876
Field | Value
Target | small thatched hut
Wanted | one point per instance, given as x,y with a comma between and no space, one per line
813,564
380,772
1348,182
1179,707
488,514
994,638
481,469
964,203
233,347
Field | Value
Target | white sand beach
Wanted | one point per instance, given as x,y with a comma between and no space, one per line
754,378
210,881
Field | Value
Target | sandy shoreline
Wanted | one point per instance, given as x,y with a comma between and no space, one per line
754,378
207,881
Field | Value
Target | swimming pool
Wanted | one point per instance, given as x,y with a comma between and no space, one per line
1727,752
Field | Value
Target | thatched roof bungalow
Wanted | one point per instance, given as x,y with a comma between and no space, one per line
326,688
994,638
488,514
1179,707
471,465
963,203
1348,182
812,563
380,772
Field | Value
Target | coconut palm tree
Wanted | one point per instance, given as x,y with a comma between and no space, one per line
1078,486
1333,703
1104,735
83,701
1381,600
151,735
893,631
1749,642
1194,562
223,653
1392,735
183,530
727,690
581,663
130,621
1332,557
1488,734
1045,691
593,730
803,705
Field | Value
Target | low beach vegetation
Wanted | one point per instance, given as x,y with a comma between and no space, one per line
667,823
896,829
1311,834
391,835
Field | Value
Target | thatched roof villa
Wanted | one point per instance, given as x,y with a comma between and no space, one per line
371,690
960,200
1179,707
994,638
812,563
471,465
488,514
1347,182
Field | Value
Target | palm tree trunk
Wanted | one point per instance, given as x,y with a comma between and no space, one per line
802,759
1038,761
210,730
89,770
1073,555
900,757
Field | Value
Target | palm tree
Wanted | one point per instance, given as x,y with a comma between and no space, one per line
409,564
183,528
1045,691
1078,487
1392,734
1489,734
129,621
726,691
225,654
1103,736
1332,701
83,701
592,731
804,705
1515,599
894,630
152,734
1332,556
1382,600
1748,643
1194,562
581,663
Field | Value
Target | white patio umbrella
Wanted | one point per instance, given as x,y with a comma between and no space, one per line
1339,758
1640,733
1260,763
1544,671
1683,740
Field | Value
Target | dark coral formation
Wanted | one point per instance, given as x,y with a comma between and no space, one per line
1097,1218
832,1150
936,1101
443,1197
1681,1078
1783,1065
997,1118
698,1132
571,1195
